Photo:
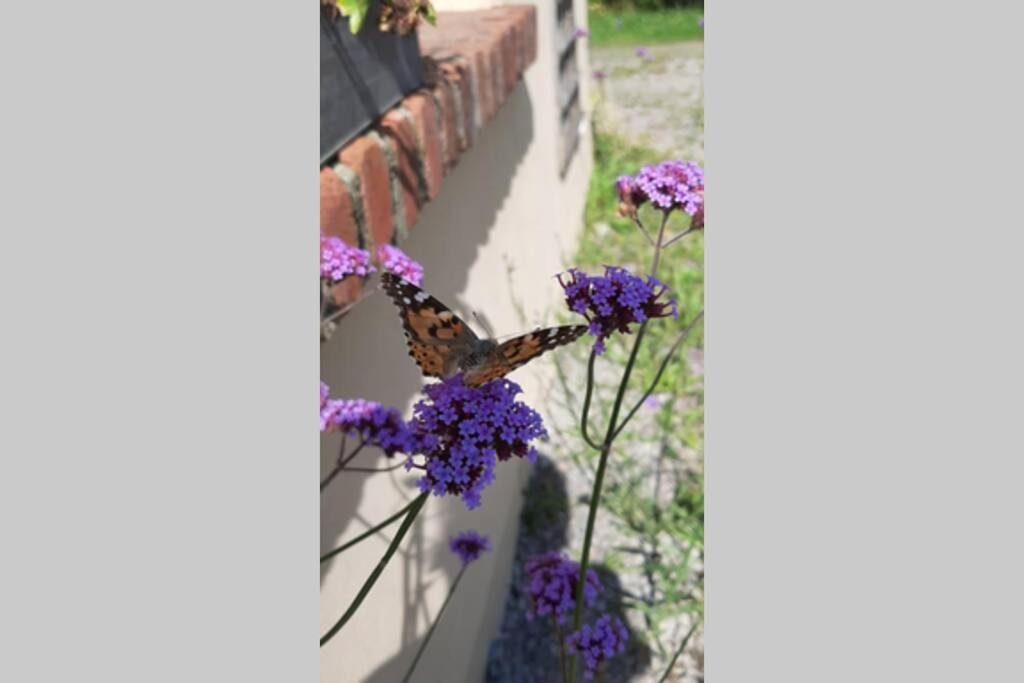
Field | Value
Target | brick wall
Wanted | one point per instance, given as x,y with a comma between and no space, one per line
373,192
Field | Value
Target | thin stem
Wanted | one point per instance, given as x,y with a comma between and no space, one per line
659,246
650,240
680,236
340,465
369,532
437,620
375,469
606,448
664,364
586,402
682,646
599,482
417,505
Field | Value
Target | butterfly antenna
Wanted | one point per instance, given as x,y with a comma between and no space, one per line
483,324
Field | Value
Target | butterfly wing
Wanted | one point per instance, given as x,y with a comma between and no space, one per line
520,350
437,338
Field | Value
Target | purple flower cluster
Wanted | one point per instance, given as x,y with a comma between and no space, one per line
395,261
552,582
376,424
600,74
643,53
598,643
464,431
615,300
338,260
580,33
668,186
469,545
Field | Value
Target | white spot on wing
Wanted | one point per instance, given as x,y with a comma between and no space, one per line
421,297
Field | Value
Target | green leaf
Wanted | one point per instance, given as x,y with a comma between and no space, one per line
431,14
356,11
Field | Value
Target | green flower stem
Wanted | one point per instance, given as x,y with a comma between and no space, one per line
586,402
368,532
342,461
680,236
437,619
682,646
664,364
606,447
414,510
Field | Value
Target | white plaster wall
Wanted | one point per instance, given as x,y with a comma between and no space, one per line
503,225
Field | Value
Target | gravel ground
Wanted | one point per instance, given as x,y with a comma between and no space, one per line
659,101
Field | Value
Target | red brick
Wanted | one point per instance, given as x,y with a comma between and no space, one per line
336,217
443,92
364,156
424,117
457,75
397,128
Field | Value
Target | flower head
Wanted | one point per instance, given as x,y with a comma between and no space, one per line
614,301
464,431
552,582
630,195
395,261
580,33
600,74
469,545
338,260
598,643
376,424
642,53
700,22
669,185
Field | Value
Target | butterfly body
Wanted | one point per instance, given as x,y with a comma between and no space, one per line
444,346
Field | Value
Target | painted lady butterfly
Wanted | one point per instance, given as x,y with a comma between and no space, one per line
443,345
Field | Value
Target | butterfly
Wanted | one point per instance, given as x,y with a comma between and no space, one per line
443,345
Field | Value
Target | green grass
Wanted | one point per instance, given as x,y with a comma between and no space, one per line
643,27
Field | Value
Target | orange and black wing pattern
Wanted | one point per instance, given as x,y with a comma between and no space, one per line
517,352
437,338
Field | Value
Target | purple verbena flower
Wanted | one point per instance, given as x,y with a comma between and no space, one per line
580,33
614,301
669,185
598,643
700,22
374,423
469,545
552,582
464,432
338,260
600,74
395,261
642,53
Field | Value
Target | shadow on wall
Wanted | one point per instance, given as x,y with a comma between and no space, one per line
367,358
